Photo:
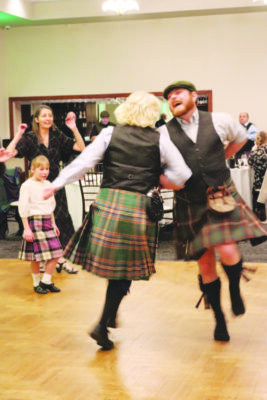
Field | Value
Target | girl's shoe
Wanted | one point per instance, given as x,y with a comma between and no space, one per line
38,289
49,287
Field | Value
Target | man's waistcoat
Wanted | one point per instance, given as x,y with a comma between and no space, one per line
132,159
206,157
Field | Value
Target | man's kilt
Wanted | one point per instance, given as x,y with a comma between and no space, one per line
116,239
197,228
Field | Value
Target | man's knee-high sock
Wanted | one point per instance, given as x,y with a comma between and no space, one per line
116,290
213,290
234,273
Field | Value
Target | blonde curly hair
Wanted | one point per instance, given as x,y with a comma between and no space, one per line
139,109
261,138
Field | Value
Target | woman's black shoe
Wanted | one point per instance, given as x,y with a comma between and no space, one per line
100,334
50,287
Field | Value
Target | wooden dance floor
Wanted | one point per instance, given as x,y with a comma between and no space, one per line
164,347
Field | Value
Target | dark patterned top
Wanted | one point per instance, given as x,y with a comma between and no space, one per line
60,146
258,160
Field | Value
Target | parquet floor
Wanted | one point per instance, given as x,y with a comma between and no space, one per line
164,348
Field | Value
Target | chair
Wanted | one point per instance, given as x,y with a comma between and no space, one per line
167,196
89,186
9,194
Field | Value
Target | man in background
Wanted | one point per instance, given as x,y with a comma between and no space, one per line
161,121
103,123
251,134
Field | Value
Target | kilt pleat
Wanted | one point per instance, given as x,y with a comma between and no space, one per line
200,228
46,244
116,239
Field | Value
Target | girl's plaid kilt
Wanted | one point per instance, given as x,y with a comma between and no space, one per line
46,244
116,239
197,228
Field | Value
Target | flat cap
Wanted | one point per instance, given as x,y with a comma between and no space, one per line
179,85
104,114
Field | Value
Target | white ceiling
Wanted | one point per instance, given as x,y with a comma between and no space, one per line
39,12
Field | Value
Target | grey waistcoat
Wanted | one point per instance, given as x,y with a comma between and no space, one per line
132,159
206,157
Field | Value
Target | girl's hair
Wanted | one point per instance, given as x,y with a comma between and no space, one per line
261,138
35,125
38,162
139,109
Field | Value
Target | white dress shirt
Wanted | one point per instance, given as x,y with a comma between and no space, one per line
228,129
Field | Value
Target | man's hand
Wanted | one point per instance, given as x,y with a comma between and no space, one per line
166,184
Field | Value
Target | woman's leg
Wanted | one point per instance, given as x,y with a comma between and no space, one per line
116,290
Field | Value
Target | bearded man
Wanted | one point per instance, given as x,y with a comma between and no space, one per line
200,232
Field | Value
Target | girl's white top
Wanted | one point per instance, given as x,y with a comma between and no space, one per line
31,200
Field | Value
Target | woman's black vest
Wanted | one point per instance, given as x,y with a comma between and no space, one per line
132,159
206,157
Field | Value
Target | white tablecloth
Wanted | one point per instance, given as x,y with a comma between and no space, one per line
74,198
243,179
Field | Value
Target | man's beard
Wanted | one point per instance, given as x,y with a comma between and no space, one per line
183,108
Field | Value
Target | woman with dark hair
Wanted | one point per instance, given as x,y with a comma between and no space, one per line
45,139
117,241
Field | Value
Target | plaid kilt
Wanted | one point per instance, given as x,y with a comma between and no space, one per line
46,244
116,239
197,228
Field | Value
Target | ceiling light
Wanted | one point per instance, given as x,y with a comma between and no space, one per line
120,6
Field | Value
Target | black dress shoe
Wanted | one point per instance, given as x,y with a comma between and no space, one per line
100,334
38,289
50,287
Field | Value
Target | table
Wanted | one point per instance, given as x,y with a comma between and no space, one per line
243,179
74,198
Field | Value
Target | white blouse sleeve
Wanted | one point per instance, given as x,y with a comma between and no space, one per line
90,156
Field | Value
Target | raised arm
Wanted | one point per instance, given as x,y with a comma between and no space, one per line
79,143
12,145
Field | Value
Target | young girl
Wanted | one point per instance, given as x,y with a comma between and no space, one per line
41,242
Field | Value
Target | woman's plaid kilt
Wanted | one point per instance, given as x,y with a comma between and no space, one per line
116,239
46,244
197,228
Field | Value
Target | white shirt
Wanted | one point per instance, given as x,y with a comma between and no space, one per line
171,160
31,200
228,129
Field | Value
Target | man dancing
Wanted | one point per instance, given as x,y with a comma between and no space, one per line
200,233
